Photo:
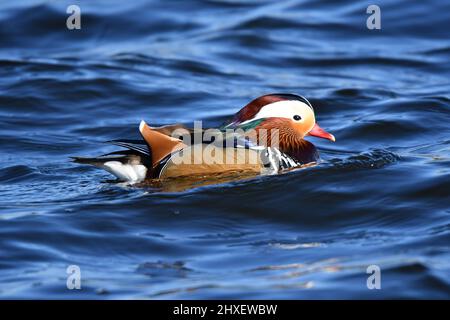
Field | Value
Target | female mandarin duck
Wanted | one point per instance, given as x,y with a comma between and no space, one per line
267,135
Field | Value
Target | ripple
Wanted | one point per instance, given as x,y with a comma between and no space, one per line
374,159
16,173
379,196
163,269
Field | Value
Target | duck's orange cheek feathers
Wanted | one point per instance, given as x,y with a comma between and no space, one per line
302,128
280,129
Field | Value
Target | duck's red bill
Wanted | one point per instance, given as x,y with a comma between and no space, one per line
317,131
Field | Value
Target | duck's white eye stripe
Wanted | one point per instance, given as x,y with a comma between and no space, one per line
290,109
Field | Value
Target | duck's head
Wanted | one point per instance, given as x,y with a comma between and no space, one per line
291,114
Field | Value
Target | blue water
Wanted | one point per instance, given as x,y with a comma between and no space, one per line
380,197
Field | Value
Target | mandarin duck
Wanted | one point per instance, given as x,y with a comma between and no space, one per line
265,136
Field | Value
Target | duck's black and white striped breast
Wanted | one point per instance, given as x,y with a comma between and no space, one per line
276,161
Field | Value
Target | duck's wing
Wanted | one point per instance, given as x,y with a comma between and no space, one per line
139,146
218,137
160,144
172,129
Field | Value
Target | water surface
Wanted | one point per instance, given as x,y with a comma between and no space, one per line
380,196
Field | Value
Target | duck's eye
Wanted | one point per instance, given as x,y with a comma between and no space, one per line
297,117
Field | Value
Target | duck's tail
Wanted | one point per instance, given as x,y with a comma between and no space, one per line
132,165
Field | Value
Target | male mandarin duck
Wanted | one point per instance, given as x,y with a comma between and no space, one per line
267,135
